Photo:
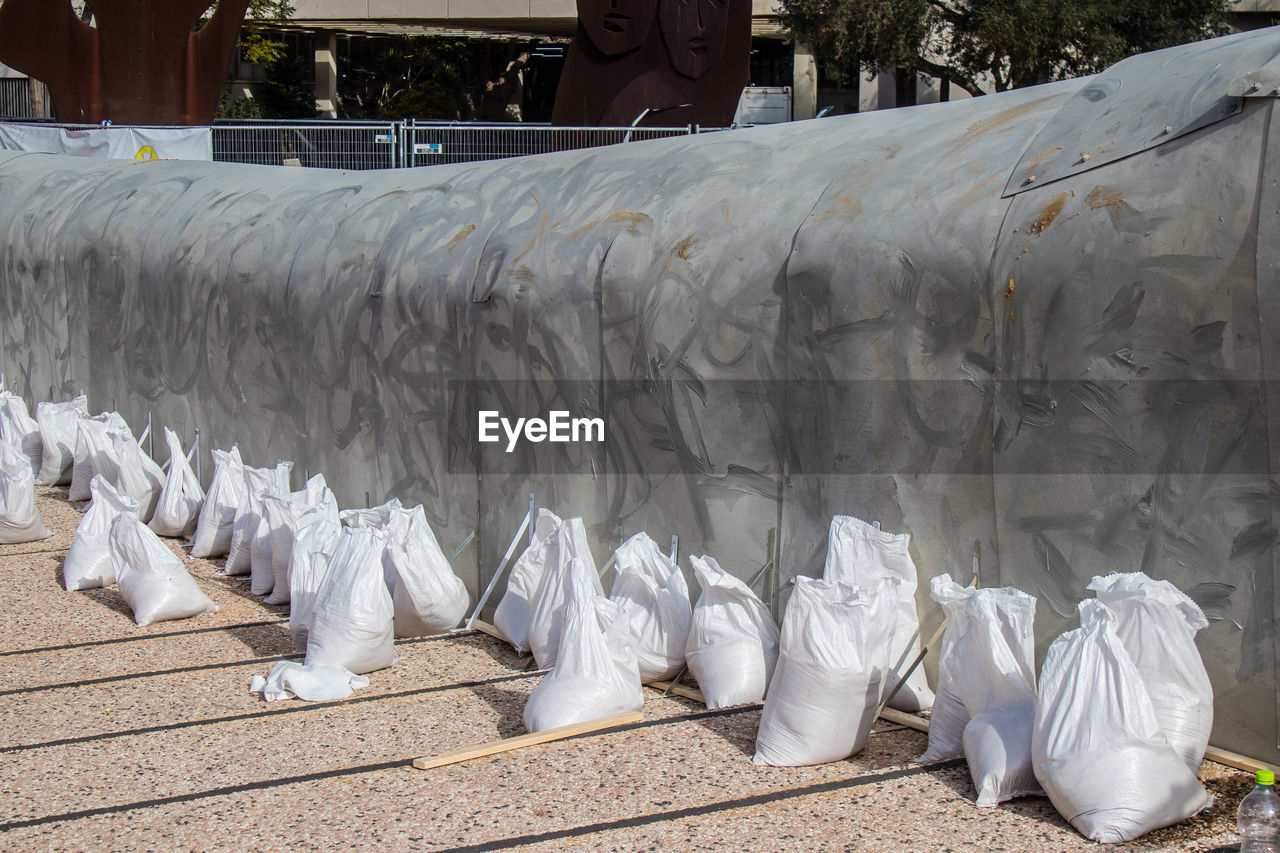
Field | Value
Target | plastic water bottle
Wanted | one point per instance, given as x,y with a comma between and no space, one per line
1258,817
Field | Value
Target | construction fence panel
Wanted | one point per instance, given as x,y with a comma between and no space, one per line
429,144
324,145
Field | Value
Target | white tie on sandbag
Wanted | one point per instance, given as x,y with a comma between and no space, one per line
1096,744
861,554
315,683
308,562
58,438
150,577
352,622
428,597
546,606
139,477
247,527
88,563
652,591
286,517
514,610
178,508
1157,623
94,452
595,674
218,514
832,665
987,663
20,521
733,641
20,429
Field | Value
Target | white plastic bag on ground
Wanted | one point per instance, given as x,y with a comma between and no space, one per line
20,521
733,642
546,607
1157,623
832,661
218,513
288,679
595,674
247,527
94,452
140,477
308,562
151,578
352,622
860,555
652,591
20,429
286,517
88,563
178,508
58,438
513,613
428,597
988,655
1096,745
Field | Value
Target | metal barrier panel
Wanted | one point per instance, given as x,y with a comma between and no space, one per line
324,145
15,98
429,144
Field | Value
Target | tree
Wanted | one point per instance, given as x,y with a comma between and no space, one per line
994,45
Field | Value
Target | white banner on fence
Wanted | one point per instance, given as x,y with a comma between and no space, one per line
114,143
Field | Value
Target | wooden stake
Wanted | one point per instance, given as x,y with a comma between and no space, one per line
495,747
486,628
911,721
1238,761
679,690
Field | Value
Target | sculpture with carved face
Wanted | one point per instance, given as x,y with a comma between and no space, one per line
694,32
616,26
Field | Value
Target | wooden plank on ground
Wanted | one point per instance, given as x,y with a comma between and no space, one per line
679,690
1238,761
911,721
486,628
479,750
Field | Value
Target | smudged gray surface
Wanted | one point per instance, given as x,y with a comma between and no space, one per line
778,324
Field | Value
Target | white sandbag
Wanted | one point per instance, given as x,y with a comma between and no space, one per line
20,429
352,622
58,438
288,679
94,452
285,517
375,516
833,661
88,563
427,596
218,513
246,529
733,641
513,613
858,554
20,521
1096,744
595,674
150,577
650,587
988,658
308,562
139,477
546,607
1158,623
178,508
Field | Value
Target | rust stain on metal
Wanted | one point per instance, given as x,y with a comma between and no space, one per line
1008,293
1048,154
846,208
683,249
1104,196
462,235
1004,119
1049,213
627,217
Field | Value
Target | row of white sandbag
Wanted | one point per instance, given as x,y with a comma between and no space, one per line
1118,729
20,521
728,638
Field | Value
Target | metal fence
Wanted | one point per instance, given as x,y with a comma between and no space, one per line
359,145
15,98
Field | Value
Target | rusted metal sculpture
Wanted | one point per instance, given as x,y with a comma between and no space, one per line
664,62
144,63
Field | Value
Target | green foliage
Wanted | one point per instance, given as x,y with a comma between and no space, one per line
289,93
982,45
256,43
404,77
